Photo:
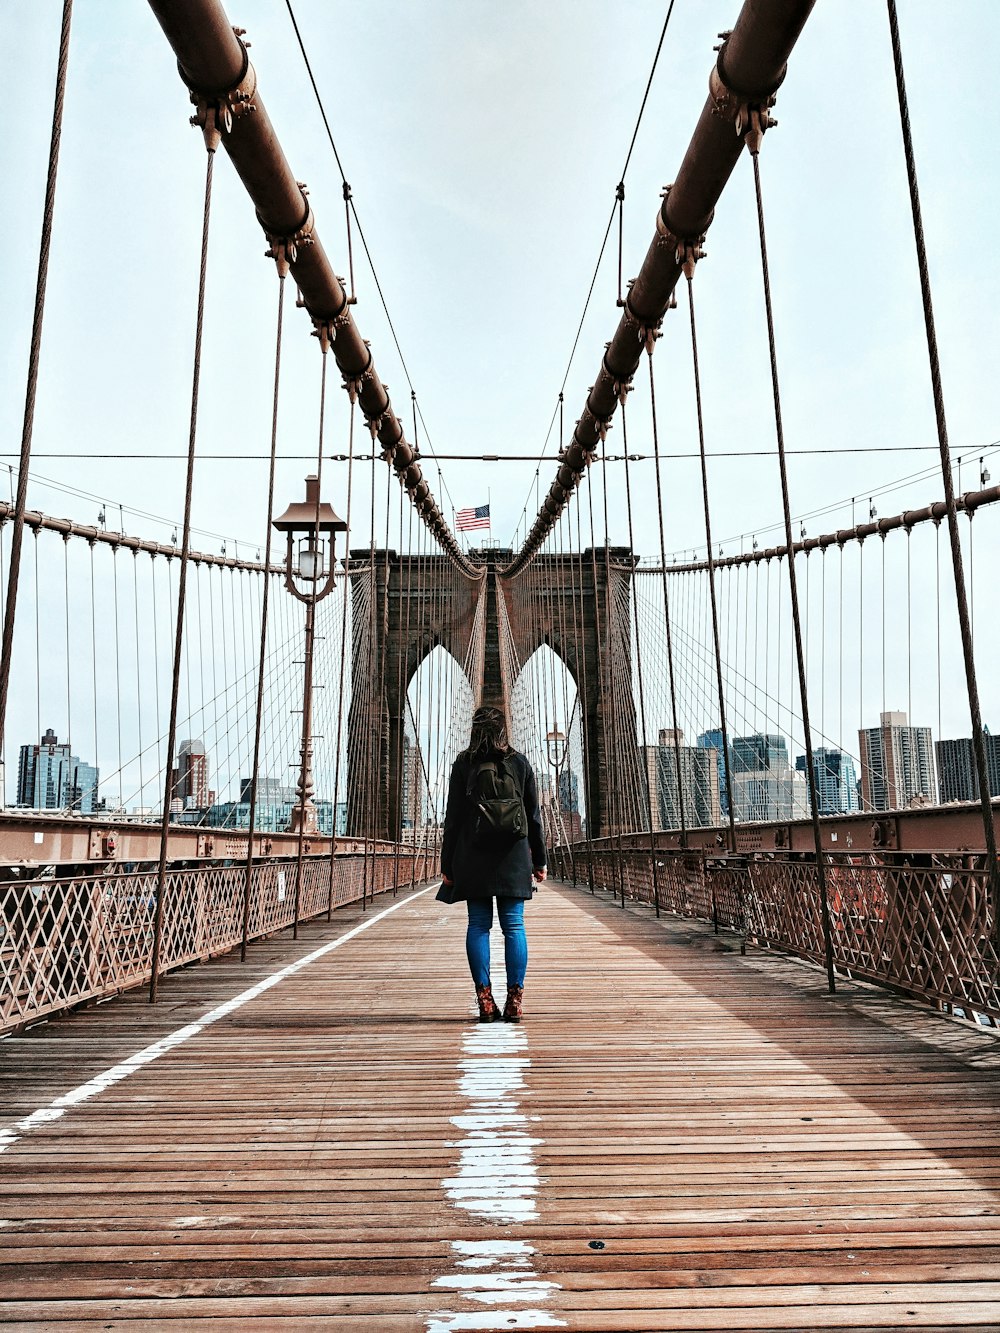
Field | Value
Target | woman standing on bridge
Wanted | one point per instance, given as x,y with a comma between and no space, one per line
493,847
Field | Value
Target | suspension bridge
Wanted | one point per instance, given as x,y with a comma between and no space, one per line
756,1084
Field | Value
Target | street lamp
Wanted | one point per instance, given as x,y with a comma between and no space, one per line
557,749
555,744
310,566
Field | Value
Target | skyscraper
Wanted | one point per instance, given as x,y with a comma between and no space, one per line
569,791
897,764
712,740
49,777
836,780
414,786
189,780
765,787
956,768
760,753
699,783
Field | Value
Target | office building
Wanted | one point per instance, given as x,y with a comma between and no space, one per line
766,795
956,768
760,753
414,793
270,791
836,780
699,783
50,777
269,816
569,792
897,764
189,780
712,740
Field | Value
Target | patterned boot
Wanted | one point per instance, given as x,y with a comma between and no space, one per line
488,1011
512,1009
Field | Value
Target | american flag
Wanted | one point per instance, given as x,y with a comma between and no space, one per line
473,518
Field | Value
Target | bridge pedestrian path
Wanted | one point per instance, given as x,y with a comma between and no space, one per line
677,1137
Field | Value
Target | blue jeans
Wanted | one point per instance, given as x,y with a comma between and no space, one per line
515,942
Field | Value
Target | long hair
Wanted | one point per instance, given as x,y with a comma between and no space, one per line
489,733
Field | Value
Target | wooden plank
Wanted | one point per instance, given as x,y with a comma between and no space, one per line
746,1152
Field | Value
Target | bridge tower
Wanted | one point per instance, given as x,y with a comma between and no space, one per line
406,606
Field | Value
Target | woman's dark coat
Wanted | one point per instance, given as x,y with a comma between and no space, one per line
485,872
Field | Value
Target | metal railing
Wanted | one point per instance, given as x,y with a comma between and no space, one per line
921,923
85,936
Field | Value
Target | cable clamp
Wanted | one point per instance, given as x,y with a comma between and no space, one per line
216,111
749,116
326,332
284,250
687,252
648,335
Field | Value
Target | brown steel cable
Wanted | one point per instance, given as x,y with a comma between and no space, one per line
69,701
727,767
93,660
793,586
138,672
264,614
34,356
652,783
583,690
306,766
346,584
611,779
385,830
161,872
666,594
396,827
964,620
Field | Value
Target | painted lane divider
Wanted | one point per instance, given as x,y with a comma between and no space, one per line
58,1107
496,1180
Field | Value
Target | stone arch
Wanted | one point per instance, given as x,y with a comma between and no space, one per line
410,605
430,742
586,592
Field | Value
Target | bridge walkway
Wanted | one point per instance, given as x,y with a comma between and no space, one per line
677,1137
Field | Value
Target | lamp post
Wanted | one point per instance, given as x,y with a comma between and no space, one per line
310,566
557,747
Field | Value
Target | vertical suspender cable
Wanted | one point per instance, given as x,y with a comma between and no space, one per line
306,771
69,700
964,621
161,873
27,429
582,684
793,586
652,781
346,583
264,609
727,768
666,595
138,673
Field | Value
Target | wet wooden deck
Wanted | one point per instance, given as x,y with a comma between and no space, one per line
676,1138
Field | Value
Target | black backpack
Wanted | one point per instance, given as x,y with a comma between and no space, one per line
500,818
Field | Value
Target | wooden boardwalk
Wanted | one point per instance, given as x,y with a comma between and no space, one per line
676,1138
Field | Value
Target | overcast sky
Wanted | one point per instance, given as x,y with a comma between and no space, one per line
483,144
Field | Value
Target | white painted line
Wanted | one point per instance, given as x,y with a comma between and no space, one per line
497,1181
109,1077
